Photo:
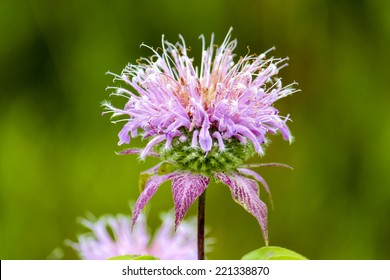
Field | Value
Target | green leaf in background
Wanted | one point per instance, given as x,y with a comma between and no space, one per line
165,168
143,178
133,257
146,257
273,253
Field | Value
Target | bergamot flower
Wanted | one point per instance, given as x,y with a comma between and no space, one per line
204,122
112,236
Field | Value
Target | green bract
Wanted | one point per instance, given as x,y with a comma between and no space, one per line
187,158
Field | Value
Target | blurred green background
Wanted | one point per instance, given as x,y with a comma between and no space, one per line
57,158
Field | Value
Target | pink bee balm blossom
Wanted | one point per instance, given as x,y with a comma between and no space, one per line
112,236
204,122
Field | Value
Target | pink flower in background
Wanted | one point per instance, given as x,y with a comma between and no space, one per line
203,122
112,236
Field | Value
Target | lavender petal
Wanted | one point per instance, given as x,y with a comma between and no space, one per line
137,151
205,139
151,144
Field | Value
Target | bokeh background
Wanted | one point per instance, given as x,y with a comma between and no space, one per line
57,159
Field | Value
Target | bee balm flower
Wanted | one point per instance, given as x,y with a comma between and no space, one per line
112,236
204,122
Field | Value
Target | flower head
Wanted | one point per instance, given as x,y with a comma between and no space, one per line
112,236
205,122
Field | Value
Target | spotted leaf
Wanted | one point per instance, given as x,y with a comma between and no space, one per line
246,193
186,187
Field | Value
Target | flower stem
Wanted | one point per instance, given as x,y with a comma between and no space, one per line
201,212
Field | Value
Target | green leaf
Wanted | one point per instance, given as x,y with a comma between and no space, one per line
143,178
133,257
146,257
165,168
273,253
